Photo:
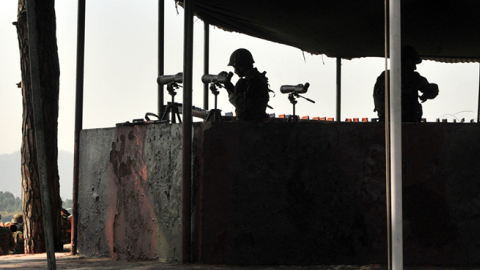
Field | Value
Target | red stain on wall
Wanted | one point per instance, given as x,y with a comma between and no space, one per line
130,218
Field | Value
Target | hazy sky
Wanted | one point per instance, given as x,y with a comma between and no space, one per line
121,70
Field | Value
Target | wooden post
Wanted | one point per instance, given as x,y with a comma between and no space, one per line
40,132
187,132
78,118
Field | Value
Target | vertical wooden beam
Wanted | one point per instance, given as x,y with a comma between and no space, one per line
339,89
78,117
206,63
187,131
387,139
161,54
478,107
40,132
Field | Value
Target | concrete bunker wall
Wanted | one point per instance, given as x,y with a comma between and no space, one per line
314,193
129,192
280,193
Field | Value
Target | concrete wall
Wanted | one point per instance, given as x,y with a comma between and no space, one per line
281,193
314,193
129,193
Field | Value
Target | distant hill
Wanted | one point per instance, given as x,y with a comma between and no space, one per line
11,177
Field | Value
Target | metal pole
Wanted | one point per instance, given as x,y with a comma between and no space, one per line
187,131
78,117
387,142
206,63
161,53
39,132
396,134
339,88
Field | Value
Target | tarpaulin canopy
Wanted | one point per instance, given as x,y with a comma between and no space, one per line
447,31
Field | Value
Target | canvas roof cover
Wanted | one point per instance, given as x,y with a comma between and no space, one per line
447,31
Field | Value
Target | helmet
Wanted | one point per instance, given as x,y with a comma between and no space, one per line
408,52
241,57
17,218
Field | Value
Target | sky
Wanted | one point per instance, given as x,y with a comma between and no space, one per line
121,71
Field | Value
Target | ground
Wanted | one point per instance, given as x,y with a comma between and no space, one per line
64,260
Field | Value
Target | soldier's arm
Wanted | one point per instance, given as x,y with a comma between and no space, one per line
231,98
230,88
246,100
429,90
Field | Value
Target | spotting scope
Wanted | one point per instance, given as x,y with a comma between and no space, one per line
298,89
223,77
166,79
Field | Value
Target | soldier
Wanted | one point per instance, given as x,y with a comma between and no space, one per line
18,221
19,242
66,226
18,235
250,93
412,82
7,243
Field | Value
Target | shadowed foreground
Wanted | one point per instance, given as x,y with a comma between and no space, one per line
67,261
309,193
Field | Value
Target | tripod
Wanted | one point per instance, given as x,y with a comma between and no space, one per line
291,97
172,107
214,114
293,117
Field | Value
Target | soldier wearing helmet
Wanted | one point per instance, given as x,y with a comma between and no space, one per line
18,221
250,93
412,82
17,218
18,235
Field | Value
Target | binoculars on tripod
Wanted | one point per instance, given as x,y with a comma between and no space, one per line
223,77
166,79
297,89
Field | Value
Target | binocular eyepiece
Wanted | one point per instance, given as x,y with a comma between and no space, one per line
223,77
297,89
166,79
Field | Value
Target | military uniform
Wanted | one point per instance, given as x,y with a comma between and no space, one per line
66,226
19,242
18,235
412,82
6,240
250,97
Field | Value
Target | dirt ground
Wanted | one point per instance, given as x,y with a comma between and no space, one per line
64,260
67,261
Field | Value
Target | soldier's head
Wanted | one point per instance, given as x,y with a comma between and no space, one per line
410,58
242,61
17,218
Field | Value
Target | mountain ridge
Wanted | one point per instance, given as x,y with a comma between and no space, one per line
11,177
